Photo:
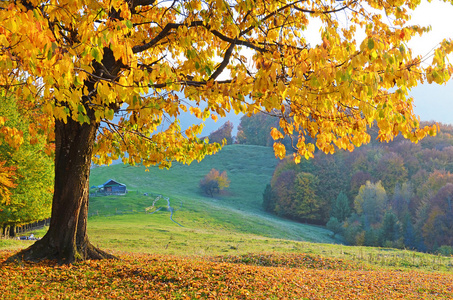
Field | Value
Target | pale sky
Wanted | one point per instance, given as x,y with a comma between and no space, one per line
432,101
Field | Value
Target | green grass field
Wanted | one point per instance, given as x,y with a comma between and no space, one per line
232,223
226,248
237,210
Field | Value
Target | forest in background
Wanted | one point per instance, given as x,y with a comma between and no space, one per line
396,194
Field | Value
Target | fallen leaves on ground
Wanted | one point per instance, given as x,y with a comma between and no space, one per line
254,276
290,261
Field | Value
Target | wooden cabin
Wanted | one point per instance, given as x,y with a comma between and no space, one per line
112,187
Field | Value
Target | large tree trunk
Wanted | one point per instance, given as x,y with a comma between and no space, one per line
66,239
12,231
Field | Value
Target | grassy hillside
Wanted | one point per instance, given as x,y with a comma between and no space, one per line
249,168
227,248
231,224
236,211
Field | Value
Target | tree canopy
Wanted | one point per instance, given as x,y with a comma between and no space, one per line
125,64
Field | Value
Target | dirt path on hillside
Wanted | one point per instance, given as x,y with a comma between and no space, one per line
169,208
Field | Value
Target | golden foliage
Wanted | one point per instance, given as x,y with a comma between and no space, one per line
94,60
7,176
297,276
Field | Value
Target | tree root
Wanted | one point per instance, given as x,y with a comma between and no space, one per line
43,250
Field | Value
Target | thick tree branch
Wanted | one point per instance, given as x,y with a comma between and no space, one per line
272,14
236,41
155,40
224,63
136,3
323,12
187,82
166,31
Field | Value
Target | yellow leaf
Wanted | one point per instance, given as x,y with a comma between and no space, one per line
279,150
276,135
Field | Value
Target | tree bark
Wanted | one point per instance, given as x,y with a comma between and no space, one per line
12,231
67,239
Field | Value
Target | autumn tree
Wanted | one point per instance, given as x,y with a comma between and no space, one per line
9,137
255,129
357,180
82,63
223,134
334,170
308,207
438,228
214,182
391,170
371,201
283,189
7,176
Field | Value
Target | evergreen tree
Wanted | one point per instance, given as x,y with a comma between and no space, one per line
352,227
340,208
402,196
408,231
371,237
268,199
390,228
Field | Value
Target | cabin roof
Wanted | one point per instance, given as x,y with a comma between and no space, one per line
111,182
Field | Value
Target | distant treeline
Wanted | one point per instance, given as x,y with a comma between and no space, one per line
396,194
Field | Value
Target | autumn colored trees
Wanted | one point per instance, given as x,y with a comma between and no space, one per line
26,181
407,205
255,129
223,134
124,64
214,182
7,175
